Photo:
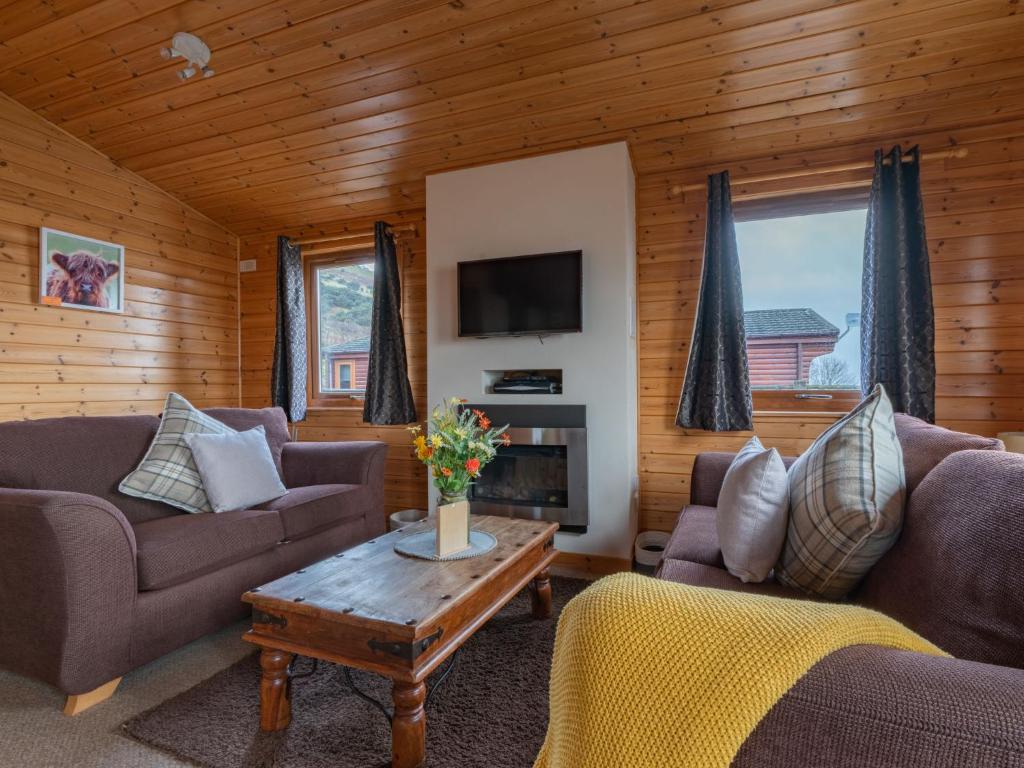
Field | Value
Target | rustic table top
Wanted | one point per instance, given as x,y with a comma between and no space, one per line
373,587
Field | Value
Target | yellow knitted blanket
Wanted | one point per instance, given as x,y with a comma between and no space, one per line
652,673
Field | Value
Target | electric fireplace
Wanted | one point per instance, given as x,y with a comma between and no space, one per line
542,475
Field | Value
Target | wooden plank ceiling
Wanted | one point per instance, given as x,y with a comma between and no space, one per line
326,109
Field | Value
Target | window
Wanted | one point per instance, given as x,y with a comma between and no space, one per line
801,299
343,375
340,308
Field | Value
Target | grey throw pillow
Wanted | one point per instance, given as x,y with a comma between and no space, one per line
167,472
238,470
753,510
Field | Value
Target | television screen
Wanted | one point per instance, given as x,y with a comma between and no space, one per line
521,295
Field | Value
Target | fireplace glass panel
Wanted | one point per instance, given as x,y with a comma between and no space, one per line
530,475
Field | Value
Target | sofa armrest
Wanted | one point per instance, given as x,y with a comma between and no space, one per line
708,473
356,462
867,705
67,588
707,476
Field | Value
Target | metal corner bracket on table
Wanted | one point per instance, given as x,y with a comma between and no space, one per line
406,651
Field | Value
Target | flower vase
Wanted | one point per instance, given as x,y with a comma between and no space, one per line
452,525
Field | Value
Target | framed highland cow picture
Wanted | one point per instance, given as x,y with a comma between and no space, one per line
80,272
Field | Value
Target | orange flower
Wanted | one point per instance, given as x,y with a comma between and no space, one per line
506,439
481,417
446,472
473,466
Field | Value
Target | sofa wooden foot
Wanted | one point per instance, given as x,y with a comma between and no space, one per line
82,701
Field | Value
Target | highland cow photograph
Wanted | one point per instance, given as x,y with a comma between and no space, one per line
80,272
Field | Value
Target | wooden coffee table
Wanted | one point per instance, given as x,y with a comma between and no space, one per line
374,609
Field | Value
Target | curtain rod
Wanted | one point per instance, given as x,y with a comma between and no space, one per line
395,229
357,245
956,152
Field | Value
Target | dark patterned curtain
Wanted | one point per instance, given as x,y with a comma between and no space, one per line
388,393
716,390
288,380
897,343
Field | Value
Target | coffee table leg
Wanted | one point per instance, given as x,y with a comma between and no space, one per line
540,595
275,693
409,725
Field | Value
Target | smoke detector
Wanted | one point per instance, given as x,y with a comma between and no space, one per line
193,50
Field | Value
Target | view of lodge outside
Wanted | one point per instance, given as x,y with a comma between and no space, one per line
345,308
801,298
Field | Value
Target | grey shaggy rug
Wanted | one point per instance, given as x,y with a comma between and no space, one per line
492,710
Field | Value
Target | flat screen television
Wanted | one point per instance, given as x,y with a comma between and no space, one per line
531,295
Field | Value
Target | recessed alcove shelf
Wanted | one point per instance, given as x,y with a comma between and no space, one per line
491,377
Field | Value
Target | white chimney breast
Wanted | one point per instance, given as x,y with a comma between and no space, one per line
585,200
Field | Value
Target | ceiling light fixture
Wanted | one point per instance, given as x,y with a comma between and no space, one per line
193,50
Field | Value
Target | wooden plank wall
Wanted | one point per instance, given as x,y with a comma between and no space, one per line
180,328
405,478
975,227
975,208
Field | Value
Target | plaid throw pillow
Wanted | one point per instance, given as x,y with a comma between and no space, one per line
846,501
168,472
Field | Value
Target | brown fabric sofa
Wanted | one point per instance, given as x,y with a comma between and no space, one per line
956,576
94,583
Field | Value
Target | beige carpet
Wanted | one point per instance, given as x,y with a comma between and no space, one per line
36,735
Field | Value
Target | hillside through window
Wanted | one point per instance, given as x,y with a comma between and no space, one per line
343,308
801,299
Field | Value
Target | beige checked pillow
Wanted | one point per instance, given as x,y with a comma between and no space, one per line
168,473
846,501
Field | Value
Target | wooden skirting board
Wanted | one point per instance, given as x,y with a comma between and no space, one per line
588,566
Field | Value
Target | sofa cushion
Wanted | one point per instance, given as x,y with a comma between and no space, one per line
869,706
168,473
313,508
273,421
175,549
846,497
925,445
79,454
695,537
955,574
753,508
698,575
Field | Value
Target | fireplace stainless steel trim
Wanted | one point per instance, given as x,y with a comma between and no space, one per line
576,515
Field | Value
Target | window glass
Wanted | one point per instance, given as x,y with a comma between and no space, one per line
344,304
801,299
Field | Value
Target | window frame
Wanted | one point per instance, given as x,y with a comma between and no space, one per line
315,397
806,399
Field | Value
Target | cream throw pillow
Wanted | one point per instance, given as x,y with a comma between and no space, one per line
237,469
753,508
846,501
